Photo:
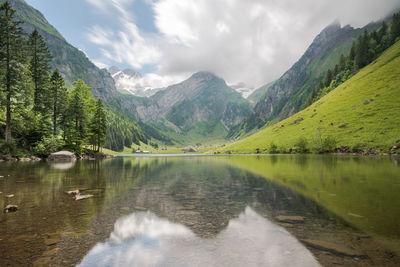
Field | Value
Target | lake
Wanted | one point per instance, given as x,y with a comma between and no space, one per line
252,210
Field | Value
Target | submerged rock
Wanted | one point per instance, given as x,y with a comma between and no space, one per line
10,208
332,248
290,219
62,156
80,197
72,192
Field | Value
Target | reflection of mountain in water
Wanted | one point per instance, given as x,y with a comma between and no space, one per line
143,239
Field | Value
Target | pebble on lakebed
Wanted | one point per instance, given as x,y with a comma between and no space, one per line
10,208
77,195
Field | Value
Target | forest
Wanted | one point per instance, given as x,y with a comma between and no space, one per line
38,114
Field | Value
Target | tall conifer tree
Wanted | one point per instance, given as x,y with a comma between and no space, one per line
59,98
40,70
99,125
11,59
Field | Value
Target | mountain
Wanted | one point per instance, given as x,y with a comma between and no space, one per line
199,108
131,81
242,89
73,64
257,94
290,92
361,114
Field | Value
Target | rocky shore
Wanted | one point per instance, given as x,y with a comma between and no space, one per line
57,156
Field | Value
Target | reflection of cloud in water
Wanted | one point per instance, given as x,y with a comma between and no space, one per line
62,165
143,239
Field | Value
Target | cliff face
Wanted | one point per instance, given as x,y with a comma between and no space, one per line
201,98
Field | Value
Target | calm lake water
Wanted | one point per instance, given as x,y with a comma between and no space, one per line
272,210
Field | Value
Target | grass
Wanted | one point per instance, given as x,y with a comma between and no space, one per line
161,150
362,112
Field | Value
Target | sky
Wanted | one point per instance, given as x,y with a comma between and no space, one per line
243,41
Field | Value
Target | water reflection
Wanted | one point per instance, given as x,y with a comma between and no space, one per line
143,239
62,165
203,195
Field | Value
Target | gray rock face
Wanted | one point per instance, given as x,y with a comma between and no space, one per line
203,97
62,156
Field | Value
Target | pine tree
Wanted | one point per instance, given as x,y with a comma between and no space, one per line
328,78
80,106
11,59
395,28
59,98
99,125
40,70
353,51
342,62
361,57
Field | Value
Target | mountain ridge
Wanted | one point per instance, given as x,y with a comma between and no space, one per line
359,115
290,92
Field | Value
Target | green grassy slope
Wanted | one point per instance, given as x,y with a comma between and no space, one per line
362,111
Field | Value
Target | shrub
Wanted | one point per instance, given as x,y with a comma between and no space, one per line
329,144
48,145
357,148
301,145
273,149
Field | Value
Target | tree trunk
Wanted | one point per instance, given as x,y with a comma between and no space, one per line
8,100
8,115
55,115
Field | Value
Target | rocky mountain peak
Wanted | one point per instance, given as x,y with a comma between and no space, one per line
204,75
113,70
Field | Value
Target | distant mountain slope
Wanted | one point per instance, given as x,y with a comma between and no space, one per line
361,114
202,106
290,92
259,93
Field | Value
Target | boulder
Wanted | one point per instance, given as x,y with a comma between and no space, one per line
62,156
7,158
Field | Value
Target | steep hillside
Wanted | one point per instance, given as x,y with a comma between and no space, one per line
70,61
361,114
290,92
73,65
200,108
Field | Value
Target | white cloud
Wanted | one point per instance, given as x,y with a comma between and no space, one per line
251,41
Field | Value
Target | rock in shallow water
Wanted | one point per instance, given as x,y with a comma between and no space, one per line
10,208
80,197
290,219
62,156
332,248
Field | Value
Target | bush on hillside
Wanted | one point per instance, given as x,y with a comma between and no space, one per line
301,145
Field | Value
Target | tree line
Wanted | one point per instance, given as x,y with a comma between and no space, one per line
364,50
38,114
